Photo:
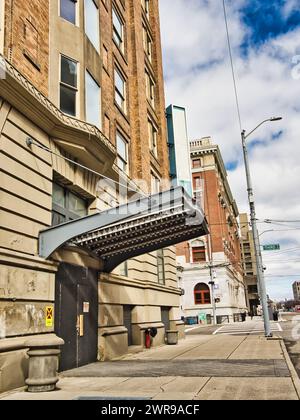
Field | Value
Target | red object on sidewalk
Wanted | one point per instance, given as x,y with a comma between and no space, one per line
148,340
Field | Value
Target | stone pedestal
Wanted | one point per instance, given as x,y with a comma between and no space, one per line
43,363
172,337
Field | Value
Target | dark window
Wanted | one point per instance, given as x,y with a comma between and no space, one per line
199,254
68,86
202,294
253,289
68,10
66,205
161,267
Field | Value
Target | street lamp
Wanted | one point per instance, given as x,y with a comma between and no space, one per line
259,263
212,284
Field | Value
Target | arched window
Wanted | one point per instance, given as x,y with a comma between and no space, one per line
202,294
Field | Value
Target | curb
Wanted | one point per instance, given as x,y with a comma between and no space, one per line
294,375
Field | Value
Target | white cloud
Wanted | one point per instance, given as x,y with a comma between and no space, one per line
199,77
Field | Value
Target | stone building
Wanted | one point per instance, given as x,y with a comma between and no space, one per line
249,263
82,101
220,249
296,290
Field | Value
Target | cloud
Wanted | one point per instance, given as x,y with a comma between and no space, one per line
198,76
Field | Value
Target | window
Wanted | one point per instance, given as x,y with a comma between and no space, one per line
120,90
197,183
68,10
199,254
92,100
202,294
68,86
150,87
155,184
196,163
161,267
122,150
152,138
118,30
147,43
66,206
92,29
253,289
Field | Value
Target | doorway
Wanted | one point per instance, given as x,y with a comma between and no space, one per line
76,315
127,312
165,317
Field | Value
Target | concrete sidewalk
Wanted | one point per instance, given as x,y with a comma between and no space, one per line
198,368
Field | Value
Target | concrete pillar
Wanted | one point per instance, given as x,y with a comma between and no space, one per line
43,363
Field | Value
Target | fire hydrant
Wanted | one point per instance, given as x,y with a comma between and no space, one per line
148,338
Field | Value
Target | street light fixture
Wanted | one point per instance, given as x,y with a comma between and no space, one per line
259,263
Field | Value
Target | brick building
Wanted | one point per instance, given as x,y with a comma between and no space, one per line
296,290
249,263
221,248
83,86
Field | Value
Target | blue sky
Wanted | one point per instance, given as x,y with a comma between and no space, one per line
265,37
267,19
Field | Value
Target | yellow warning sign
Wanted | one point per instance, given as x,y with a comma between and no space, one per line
49,316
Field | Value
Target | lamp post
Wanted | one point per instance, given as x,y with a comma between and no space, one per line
212,284
259,263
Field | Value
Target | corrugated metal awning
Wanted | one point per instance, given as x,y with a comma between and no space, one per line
130,230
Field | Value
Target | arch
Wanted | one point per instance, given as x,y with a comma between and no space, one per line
202,294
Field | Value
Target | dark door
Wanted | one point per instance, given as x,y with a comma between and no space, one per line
128,323
76,315
165,318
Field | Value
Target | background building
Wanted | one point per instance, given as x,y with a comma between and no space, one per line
84,81
249,264
221,248
296,290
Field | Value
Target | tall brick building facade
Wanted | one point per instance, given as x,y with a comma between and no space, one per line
221,248
84,80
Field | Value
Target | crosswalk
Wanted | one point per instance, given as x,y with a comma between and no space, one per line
256,327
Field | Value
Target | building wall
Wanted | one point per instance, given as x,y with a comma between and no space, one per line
27,282
26,42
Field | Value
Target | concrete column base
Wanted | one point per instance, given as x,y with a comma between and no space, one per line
43,363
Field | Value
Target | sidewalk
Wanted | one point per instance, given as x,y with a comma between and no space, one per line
198,368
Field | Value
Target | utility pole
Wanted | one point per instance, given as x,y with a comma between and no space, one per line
259,263
212,284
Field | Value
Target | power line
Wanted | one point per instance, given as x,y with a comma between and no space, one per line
232,67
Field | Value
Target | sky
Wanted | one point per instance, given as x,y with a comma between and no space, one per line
265,40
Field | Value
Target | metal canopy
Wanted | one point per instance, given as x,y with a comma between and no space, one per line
130,230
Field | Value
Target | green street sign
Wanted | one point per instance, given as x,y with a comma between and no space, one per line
271,247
